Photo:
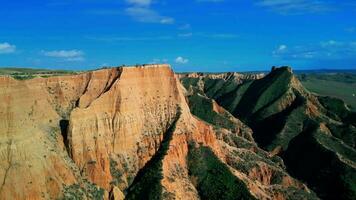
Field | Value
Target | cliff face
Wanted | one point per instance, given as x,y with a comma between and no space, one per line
314,135
126,132
238,77
32,150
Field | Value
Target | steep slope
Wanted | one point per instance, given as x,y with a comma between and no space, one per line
330,163
264,173
33,154
279,111
123,133
267,105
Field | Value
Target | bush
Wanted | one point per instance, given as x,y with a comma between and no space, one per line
213,178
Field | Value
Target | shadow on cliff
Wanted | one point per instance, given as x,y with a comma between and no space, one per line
63,124
147,183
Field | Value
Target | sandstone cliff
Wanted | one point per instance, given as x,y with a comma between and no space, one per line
126,132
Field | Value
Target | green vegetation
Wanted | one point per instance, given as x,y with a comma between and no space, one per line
340,85
94,192
337,77
227,93
73,192
284,115
187,82
263,92
212,178
215,88
202,107
23,77
29,73
347,133
115,173
77,192
278,129
147,183
337,110
231,99
7,71
314,157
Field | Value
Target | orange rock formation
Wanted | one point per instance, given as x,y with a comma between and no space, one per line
79,131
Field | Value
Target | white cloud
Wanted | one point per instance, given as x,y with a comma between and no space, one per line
147,15
141,11
282,48
132,38
211,1
292,7
63,53
6,48
185,27
159,61
104,65
68,55
166,20
223,36
75,59
331,43
181,60
351,29
185,35
140,2
331,49
217,35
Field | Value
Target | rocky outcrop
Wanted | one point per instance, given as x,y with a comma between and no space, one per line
33,155
314,135
262,172
238,77
122,133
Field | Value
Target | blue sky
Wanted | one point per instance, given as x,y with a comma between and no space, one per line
191,35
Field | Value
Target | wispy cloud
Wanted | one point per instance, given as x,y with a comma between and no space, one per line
280,50
181,60
67,55
159,61
216,36
103,12
147,15
351,30
185,27
185,35
211,1
221,36
293,7
140,2
6,48
141,11
131,38
324,50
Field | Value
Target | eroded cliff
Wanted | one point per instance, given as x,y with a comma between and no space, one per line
127,133
315,135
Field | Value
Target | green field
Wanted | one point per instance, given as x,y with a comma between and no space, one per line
342,86
29,73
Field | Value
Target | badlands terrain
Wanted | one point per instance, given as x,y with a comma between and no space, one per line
145,132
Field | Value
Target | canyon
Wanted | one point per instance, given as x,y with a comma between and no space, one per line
144,132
